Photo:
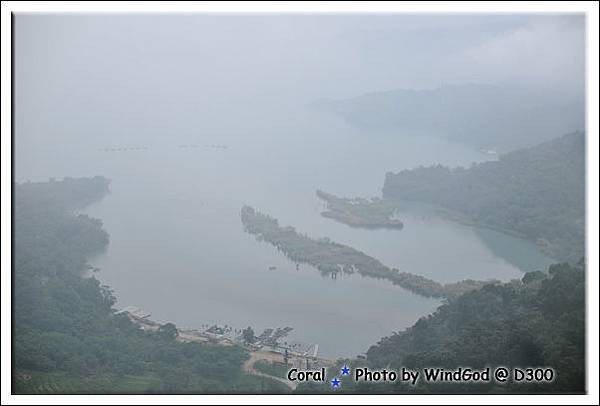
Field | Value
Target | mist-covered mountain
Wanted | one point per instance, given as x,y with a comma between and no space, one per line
486,116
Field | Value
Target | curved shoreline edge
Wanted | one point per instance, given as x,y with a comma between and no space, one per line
332,258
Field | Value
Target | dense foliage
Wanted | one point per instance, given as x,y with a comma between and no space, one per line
538,193
331,258
66,337
358,212
536,322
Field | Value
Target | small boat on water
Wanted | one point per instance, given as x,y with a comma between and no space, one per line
272,268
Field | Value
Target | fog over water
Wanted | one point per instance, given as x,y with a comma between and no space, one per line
237,90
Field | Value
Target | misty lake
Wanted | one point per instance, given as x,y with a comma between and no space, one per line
177,246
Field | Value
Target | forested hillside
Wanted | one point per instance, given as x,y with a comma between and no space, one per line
537,193
536,322
66,337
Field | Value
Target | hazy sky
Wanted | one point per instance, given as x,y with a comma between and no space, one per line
117,73
308,55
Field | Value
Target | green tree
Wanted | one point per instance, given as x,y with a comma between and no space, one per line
248,335
168,331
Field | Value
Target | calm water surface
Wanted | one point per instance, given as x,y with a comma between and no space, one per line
178,250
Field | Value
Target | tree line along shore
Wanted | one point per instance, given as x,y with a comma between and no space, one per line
332,258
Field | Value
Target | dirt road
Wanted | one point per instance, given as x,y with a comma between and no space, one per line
269,357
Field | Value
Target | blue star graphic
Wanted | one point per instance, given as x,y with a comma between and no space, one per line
335,382
345,370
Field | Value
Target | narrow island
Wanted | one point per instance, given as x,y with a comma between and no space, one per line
360,212
331,258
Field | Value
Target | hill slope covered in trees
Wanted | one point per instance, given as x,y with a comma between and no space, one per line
537,193
66,336
536,322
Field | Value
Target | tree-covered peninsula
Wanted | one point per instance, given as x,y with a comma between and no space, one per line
362,213
331,258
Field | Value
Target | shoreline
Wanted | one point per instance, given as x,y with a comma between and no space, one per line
369,214
144,322
331,258
459,218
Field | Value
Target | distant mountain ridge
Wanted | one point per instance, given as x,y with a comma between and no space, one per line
486,116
